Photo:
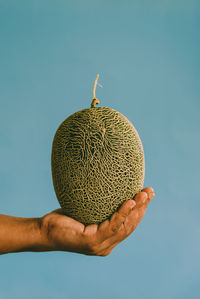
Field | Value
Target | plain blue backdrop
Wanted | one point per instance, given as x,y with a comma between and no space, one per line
147,54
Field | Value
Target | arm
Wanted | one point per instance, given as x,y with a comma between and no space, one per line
55,231
20,234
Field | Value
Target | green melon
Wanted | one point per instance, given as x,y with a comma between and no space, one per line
97,163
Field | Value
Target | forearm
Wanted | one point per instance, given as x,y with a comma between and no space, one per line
21,234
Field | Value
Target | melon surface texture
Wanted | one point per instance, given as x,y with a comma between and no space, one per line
97,164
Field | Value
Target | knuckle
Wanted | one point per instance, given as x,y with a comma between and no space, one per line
115,228
136,214
123,214
114,216
123,231
122,227
120,215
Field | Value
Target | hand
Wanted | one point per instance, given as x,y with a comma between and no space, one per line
64,233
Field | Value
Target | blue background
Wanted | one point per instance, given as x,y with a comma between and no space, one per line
147,54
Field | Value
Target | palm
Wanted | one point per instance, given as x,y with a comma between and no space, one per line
67,234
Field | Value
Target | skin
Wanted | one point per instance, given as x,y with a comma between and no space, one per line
57,232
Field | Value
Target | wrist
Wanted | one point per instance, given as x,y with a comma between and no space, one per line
35,235
41,241
31,234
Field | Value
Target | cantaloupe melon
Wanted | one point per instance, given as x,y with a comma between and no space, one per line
97,163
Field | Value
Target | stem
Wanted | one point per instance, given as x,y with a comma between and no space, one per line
95,100
95,85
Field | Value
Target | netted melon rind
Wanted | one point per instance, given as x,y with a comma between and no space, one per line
97,163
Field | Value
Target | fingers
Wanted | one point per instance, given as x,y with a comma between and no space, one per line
133,218
90,230
149,191
108,228
125,221
144,197
138,213
119,217
103,227
140,199
103,238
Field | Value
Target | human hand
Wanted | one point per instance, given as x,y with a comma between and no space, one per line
66,234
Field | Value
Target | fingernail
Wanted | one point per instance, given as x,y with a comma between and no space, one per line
151,195
145,198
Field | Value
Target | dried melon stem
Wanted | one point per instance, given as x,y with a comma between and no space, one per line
95,100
